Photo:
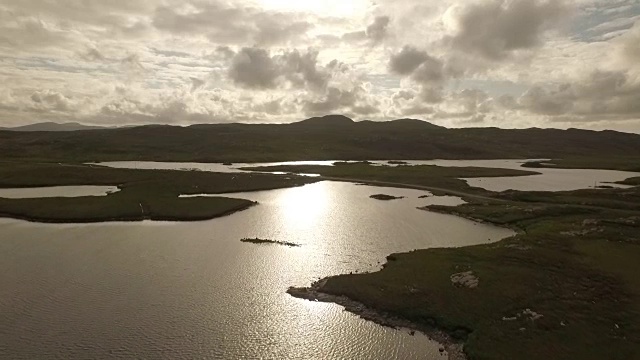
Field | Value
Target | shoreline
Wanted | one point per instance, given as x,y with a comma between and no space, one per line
454,349
81,221
519,231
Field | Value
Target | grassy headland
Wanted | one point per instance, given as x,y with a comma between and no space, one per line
420,175
144,194
565,287
623,163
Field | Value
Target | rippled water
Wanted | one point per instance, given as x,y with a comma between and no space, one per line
547,180
193,290
57,191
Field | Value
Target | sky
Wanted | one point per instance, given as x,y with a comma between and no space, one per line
466,63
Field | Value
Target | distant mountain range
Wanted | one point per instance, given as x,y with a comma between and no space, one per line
332,137
51,126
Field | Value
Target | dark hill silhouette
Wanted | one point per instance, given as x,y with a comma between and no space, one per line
332,137
52,126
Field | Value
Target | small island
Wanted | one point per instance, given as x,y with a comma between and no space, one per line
397,162
268,241
385,197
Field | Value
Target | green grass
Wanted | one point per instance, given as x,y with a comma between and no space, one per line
576,265
145,194
421,175
623,163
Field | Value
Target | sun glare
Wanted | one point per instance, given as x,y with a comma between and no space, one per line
303,206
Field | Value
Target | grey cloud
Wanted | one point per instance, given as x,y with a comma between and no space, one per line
429,72
258,69
348,101
407,60
334,100
547,102
197,84
354,36
225,24
472,100
31,33
630,46
302,68
132,63
93,55
603,95
403,95
366,109
377,31
273,107
254,68
48,100
417,110
494,29
431,94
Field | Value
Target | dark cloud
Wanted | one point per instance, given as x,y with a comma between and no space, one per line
407,60
258,69
431,71
254,68
302,69
494,29
377,31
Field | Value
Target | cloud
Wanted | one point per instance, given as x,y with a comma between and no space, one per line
197,84
48,100
377,31
256,68
629,45
568,62
407,60
602,95
495,29
225,24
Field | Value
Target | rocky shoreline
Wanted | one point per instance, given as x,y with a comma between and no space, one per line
314,293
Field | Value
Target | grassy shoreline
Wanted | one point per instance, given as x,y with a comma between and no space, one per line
133,218
143,195
564,287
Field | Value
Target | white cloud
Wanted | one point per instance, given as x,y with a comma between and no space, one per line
568,63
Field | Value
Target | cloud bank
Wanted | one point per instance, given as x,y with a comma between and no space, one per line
507,63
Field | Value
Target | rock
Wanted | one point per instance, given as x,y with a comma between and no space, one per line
385,197
465,279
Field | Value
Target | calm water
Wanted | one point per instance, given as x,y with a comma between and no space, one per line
548,180
193,290
57,191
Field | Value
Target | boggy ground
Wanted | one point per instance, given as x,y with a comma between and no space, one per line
445,178
565,287
144,194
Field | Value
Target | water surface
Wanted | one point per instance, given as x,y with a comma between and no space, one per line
547,180
193,290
